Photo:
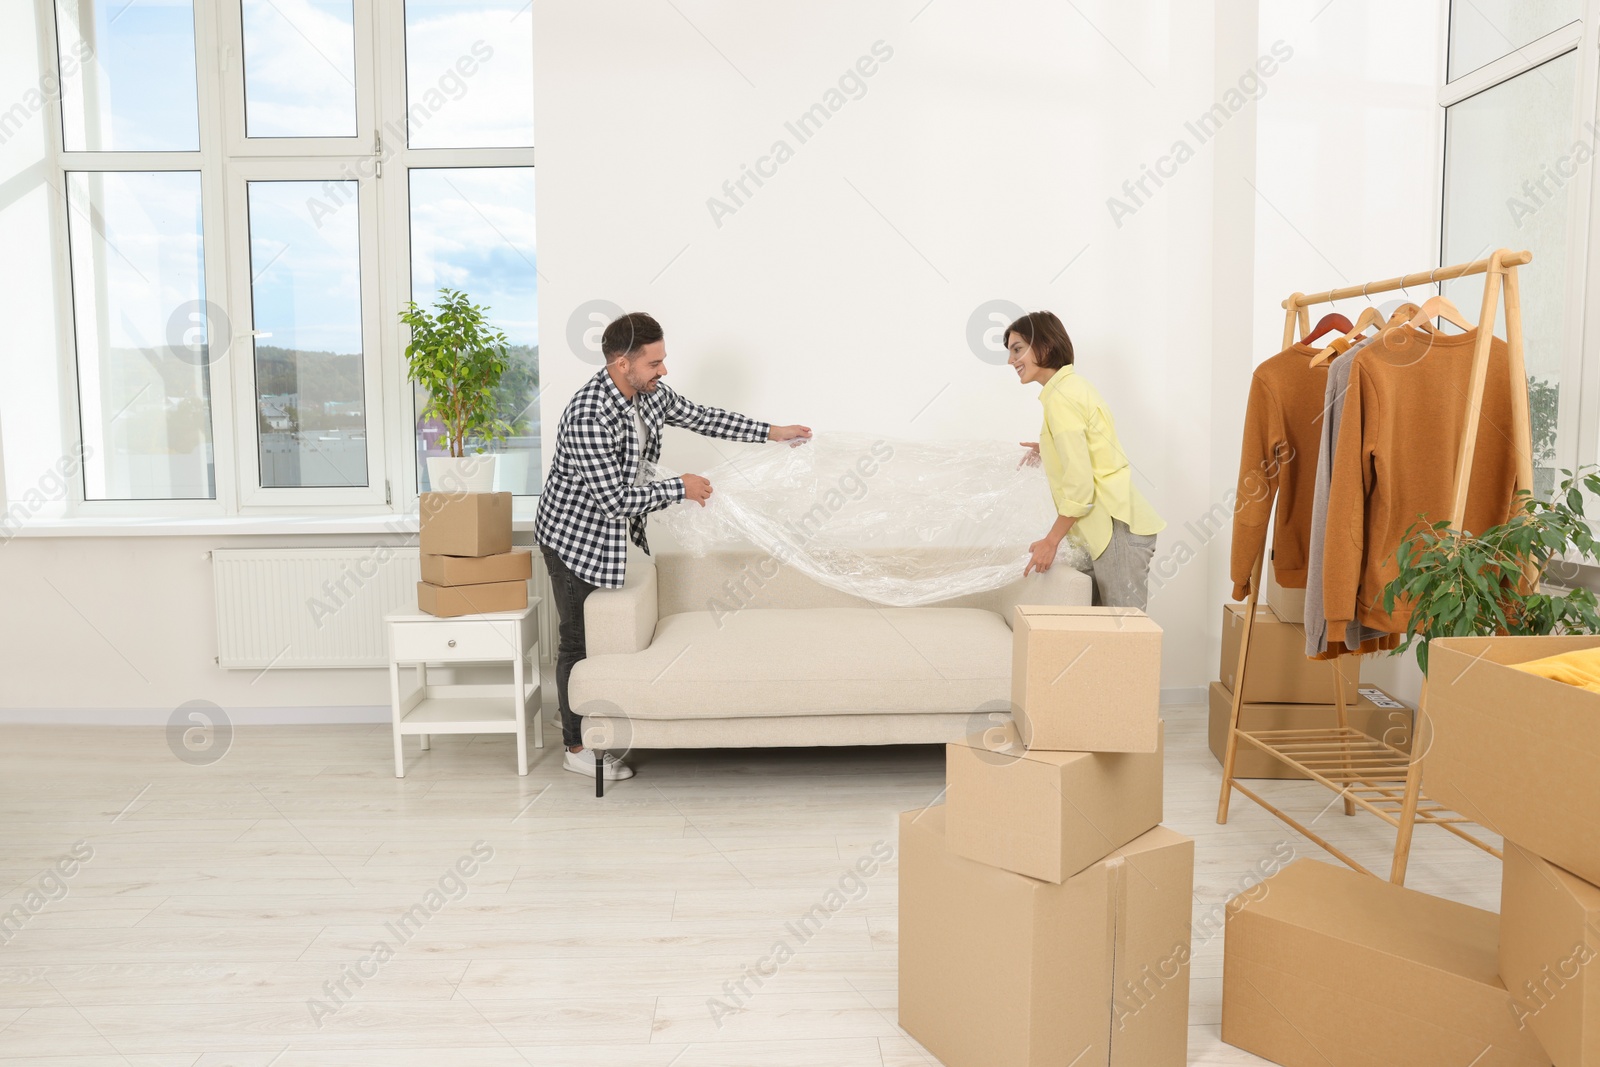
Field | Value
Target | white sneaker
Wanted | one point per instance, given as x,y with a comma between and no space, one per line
583,763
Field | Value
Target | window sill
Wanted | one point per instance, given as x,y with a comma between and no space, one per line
226,526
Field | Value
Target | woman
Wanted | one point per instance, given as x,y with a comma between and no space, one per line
1090,480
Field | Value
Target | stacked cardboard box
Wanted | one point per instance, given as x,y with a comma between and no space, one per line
1286,691
1044,913
1516,753
468,564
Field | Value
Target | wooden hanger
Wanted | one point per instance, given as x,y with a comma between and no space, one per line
1369,318
1438,307
1329,322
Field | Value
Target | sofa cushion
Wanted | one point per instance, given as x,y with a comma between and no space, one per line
782,661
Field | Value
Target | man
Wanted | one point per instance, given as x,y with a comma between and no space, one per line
596,497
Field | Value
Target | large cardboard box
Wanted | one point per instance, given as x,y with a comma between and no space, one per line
448,601
1086,679
1514,752
1001,970
1279,672
1326,967
464,524
1375,714
1550,955
513,566
1288,604
1047,815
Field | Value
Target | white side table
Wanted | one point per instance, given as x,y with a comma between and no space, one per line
417,639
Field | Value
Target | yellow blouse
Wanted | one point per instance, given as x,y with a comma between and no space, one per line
1580,668
1089,475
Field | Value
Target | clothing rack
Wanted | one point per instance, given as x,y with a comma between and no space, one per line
1365,771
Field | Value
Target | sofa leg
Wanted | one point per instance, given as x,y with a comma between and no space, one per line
599,773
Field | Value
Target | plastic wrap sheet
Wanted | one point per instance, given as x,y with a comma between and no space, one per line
897,522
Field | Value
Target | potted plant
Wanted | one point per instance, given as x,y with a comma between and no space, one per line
1471,585
458,359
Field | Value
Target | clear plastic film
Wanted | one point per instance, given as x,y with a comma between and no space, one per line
897,522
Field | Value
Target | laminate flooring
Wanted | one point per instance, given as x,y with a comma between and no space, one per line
293,904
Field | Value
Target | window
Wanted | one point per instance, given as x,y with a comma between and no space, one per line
242,236
1513,149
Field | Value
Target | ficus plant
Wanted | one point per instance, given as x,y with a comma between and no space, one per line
1472,585
458,359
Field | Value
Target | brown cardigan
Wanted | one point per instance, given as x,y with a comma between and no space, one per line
1282,423
1399,438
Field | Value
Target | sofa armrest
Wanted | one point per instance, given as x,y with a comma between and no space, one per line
1060,584
623,620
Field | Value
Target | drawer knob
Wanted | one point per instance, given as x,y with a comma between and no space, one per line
451,643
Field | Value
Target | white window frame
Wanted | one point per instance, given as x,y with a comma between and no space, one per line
1578,418
226,161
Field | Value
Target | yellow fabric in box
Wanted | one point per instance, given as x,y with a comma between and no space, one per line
1580,668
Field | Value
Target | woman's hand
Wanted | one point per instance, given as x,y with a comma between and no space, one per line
1030,457
1042,553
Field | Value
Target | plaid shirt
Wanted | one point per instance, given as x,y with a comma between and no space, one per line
590,504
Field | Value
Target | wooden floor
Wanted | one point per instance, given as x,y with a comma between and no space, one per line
223,903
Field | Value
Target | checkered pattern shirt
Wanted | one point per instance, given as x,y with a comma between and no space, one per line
591,505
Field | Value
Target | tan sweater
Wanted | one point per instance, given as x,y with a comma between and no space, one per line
1399,438
1278,462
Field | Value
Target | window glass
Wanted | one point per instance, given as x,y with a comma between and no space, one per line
145,344
1509,156
1482,31
472,230
127,75
305,267
469,73
299,68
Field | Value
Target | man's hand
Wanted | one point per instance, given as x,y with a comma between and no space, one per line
696,488
1030,457
1042,553
796,434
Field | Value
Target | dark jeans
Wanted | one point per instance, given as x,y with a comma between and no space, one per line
570,592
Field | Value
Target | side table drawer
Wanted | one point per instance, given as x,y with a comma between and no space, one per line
435,641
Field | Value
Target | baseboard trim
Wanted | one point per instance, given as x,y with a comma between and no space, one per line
293,716
1194,694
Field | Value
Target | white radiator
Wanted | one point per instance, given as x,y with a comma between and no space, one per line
322,607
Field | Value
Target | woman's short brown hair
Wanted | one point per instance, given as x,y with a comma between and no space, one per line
1046,336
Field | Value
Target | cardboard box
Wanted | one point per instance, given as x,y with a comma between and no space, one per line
1001,970
1086,679
448,601
1550,956
1514,752
513,566
1047,815
1279,671
464,524
1326,967
1372,717
1288,604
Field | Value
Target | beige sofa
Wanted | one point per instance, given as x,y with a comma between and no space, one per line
731,651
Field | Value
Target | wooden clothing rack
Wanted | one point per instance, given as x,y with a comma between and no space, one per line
1365,771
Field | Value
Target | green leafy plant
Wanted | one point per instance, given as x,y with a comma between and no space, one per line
458,359
1468,585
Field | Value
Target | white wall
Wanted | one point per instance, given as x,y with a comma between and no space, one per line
976,166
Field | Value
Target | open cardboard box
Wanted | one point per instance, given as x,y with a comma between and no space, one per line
1001,970
1516,753
1327,967
1047,815
1086,679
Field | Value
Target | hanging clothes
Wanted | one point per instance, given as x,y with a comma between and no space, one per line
1356,638
1277,467
1405,411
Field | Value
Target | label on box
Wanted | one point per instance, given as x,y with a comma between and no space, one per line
1380,698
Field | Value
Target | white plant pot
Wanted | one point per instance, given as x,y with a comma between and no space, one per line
466,474
511,472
